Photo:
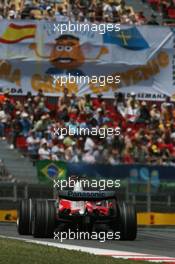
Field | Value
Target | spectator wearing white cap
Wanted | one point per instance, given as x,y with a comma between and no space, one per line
133,109
49,14
25,123
41,125
107,9
11,14
89,144
44,152
155,113
32,145
88,157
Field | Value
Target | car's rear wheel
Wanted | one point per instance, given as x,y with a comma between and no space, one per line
127,222
25,214
44,218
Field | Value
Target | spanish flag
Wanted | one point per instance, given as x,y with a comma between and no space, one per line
16,33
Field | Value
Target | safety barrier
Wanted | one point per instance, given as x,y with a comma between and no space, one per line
8,215
156,219
145,219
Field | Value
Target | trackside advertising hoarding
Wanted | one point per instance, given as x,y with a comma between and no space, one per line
141,174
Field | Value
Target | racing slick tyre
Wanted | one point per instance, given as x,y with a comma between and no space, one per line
25,214
43,224
127,221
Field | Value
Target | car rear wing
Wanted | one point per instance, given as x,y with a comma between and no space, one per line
87,195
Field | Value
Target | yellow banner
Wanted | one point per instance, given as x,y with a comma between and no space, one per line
8,215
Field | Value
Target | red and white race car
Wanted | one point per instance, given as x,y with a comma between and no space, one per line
77,209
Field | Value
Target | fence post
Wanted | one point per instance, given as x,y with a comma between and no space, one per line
149,195
26,191
134,198
55,192
169,200
15,192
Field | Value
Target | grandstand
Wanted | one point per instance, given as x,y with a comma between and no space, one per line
147,131
137,12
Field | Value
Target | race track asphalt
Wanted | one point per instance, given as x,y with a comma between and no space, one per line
155,241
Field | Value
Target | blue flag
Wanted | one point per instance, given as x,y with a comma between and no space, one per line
126,38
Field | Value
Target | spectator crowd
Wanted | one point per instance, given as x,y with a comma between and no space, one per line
95,11
147,130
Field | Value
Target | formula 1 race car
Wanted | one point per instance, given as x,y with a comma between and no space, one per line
77,210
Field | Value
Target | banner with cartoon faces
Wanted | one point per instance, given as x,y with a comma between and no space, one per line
39,55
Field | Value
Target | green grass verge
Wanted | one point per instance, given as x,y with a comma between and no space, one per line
17,252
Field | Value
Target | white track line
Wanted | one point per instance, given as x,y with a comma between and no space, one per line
98,251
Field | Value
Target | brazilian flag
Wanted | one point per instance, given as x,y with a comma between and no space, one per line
48,170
